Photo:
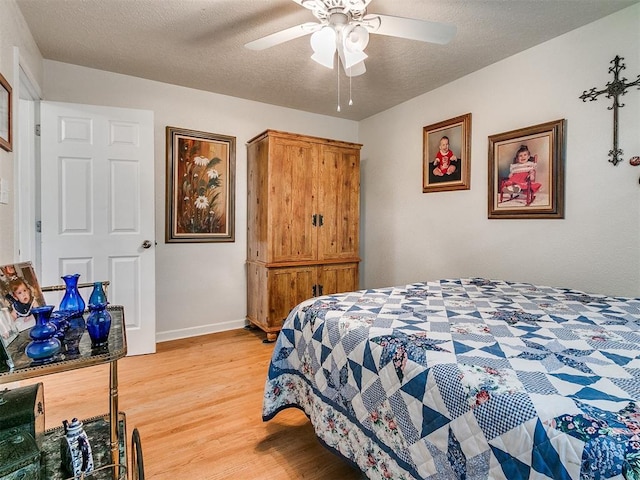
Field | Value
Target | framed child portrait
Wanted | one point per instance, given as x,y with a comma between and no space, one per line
19,293
447,155
526,172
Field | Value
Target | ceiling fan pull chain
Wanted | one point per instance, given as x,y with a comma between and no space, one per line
350,99
338,72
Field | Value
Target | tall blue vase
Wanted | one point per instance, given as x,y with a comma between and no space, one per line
72,301
97,294
44,345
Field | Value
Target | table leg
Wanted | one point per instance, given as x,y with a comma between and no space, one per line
113,414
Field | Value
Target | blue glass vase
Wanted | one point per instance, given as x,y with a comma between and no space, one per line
72,300
44,345
60,319
73,335
99,324
97,294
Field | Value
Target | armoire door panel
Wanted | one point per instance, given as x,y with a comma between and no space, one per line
257,203
339,203
292,200
287,288
338,278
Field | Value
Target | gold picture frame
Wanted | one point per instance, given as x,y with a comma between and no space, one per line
20,292
200,203
6,120
526,172
443,171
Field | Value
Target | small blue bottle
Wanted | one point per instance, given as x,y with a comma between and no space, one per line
98,295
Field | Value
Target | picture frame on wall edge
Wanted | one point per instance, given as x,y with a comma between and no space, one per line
6,120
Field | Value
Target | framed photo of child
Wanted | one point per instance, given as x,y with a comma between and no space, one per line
447,155
19,293
526,172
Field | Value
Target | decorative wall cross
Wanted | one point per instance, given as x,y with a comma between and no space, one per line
613,90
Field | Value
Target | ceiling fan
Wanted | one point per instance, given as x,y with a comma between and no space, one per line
343,27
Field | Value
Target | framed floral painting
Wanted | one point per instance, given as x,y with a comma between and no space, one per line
200,186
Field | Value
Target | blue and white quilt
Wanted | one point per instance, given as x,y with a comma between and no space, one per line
467,379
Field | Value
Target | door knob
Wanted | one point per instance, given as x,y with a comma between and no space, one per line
146,244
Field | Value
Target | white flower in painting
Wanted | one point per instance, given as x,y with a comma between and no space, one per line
213,173
200,161
201,202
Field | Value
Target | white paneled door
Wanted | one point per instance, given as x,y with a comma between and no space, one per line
98,207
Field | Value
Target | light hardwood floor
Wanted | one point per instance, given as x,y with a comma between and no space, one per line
197,404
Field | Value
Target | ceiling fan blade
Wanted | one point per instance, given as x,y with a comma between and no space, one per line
310,4
283,36
411,28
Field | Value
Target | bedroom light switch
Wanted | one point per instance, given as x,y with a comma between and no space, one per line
4,191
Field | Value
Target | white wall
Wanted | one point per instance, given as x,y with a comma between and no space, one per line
200,288
17,47
412,236
406,235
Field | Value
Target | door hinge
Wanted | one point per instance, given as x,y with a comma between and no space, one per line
39,226
37,130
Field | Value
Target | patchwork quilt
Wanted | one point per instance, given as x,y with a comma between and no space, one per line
467,379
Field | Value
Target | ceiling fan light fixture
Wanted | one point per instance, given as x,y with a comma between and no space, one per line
353,58
324,59
356,38
323,43
356,70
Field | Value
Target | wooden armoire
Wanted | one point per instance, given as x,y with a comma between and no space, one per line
303,218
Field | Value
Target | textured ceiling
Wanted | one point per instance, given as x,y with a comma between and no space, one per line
200,44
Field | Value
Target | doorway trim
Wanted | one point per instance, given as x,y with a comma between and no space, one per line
26,160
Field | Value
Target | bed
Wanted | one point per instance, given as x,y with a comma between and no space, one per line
466,379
